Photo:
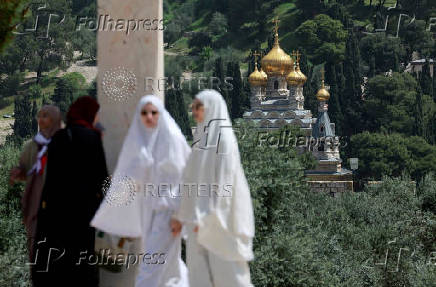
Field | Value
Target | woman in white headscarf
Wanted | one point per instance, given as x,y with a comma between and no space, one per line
153,156
216,203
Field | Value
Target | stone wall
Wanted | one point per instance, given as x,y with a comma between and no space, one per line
331,186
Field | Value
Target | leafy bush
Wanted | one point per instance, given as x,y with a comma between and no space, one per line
312,239
13,250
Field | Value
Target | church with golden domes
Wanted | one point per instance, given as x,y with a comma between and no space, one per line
277,100
277,91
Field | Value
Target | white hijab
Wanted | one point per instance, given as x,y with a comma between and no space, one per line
226,221
150,157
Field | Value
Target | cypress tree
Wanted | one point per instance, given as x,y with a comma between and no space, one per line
309,92
247,94
92,90
170,103
372,72
175,105
250,63
419,116
352,95
236,92
34,119
432,129
45,101
396,64
183,118
23,122
218,71
304,64
340,80
434,80
335,111
63,95
227,91
425,79
309,88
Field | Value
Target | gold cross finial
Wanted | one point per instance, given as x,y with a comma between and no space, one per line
322,76
255,54
276,25
297,55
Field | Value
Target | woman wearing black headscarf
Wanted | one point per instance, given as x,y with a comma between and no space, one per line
76,170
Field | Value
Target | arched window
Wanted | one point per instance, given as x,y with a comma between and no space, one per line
321,144
276,85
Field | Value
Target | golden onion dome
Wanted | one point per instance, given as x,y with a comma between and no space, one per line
301,77
256,78
293,78
277,62
265,77
323,95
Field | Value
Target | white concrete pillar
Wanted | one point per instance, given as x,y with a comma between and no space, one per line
125,60
136,55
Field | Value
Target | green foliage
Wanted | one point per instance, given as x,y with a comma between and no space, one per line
44,49
236,93
417,37
392,155
10,85
386,51
309,8
427,193
218,29
35,92
389,103
68,88
178,16
34,117
12,13
425,80
23,127
175,105
323,38
13,249
351,95
86,42
312,239
335,110
419,116
198,41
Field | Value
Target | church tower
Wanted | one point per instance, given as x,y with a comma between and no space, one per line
329,176
296,79
277,64
258,81
277,91
326,143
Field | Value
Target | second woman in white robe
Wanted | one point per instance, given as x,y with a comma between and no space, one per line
216,204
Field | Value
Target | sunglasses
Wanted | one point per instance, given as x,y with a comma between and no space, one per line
144,113
196,106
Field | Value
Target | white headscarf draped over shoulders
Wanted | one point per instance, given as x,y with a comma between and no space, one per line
225,218
151,158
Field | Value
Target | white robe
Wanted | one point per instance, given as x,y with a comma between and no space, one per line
225,217
149,159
